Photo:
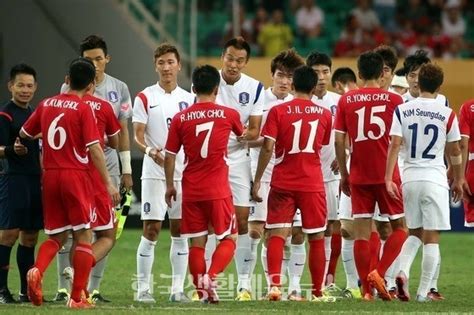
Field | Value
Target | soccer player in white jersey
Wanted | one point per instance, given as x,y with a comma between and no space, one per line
117,94
321,64
427,128
282,68
153,110
246,95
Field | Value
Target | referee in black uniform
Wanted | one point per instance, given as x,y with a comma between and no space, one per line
21,214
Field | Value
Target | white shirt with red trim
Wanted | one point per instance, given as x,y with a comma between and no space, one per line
425,126
155,108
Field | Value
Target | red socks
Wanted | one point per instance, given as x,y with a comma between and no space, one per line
46,254
335,253
391,249
275,257
362,261
316,262
197,264
82,263
374,245
222,257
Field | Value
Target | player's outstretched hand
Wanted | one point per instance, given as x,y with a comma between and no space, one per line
457,190
170,194
392,190
19,148
255,189
344,184
114,194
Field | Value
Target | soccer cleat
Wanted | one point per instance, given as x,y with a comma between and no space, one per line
376,281
423,299
179,297
274,294
6,297
209,286
97,297
332,290
295,296
195,297
435,295
351,293
145,297
61,296
243,295
323,299
368,297
35,292
82,304
393,292
402,287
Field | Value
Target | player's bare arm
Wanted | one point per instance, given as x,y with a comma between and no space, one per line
113,141
154,153
263,159
253,130
455,157
340,144
169,165
464,145
392,156
124,152
98,158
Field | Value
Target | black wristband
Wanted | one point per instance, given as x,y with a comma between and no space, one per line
9,152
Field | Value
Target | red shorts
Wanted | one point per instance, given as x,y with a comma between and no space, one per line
469,200
197,215
68,201
282,206
364,197
103,216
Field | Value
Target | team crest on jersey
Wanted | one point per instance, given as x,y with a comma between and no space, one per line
183,105
146,207
244,98
333,109
113,96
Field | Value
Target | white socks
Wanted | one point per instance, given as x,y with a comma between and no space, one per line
408,254
209,250
428,268
145,257
243,259
97,273
254,253
391,273
179,254
63,261
296,267
263,258
347,255
327,250
434,282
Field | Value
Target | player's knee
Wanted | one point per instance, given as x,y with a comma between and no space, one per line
242,226
29,238
384,230
256,230
329,229
175,228
8,237
315,236
398,224
297,238
151,230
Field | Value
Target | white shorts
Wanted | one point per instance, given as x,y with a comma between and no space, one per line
332,198
426,205
297,222
153,200
259,211
345,209
240,180
377,216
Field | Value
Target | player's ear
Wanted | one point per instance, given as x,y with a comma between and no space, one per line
107,58
66,80
90,87
10,85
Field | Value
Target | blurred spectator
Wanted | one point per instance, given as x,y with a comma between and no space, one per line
421,44
309,20
415,13
438,41
260,19
452,22
386,11
366,16
275,35
246,30
351,37
434,9
454,50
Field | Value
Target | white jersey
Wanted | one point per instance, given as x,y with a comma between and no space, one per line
270,101
155,108
117,94
425,126
247,98
328,152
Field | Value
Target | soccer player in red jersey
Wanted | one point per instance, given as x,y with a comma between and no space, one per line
297,129
69,130
365,115
466,125
203,130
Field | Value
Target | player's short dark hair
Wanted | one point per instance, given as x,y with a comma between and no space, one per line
389,55
401,72
343,75
166,48
287,61
370,65
21,68
205,79
93,42
304,79
238,43
430,78
317,58
413,62
81,73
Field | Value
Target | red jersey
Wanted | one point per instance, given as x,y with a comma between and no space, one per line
299,128
68,127
466,122
203,130
107,122
366,116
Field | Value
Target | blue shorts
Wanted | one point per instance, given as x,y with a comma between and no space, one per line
20,202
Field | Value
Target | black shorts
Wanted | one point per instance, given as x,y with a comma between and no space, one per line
20,202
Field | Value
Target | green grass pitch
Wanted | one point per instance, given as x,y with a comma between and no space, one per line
456,283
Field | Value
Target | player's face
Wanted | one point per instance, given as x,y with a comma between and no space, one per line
167,66
233,62
23,88
324,75
387,76
99,59
281,83
412,79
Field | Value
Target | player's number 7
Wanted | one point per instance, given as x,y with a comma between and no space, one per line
205,145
